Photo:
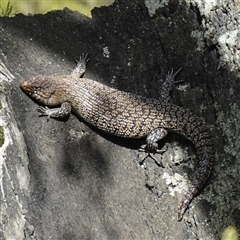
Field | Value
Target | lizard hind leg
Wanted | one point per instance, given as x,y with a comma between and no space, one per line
168,85
153,137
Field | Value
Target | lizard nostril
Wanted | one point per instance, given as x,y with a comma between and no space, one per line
23,85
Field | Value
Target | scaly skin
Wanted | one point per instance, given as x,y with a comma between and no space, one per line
124,114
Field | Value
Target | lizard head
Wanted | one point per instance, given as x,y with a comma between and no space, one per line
41,88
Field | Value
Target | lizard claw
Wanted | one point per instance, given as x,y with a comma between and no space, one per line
84,58
170,77
168,85
173,75
81,66
144,148
43,111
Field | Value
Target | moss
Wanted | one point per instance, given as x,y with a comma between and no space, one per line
1,136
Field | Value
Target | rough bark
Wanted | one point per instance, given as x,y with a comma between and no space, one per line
66,180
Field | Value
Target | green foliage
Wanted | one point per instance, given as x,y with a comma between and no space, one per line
37,6
6,11
230,233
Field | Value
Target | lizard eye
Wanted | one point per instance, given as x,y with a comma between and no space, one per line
36,88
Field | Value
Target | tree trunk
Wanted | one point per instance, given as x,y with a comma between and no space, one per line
67,180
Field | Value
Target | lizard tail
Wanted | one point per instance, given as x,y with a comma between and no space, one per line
202,140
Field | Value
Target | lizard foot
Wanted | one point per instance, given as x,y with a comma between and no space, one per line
42,111
145,148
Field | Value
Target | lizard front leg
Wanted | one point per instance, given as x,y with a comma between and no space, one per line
61,112
80,68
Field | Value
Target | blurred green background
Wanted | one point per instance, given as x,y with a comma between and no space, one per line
43,6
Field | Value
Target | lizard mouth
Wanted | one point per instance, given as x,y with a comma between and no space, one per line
29,90
25,87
